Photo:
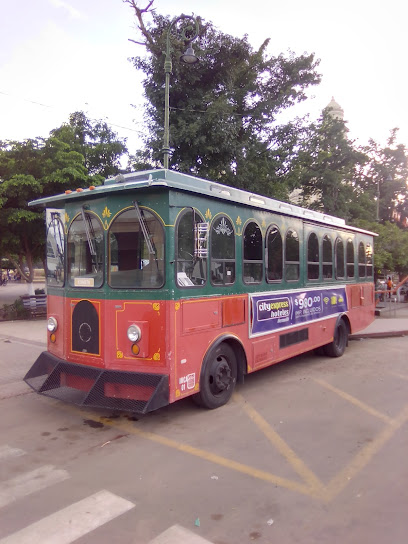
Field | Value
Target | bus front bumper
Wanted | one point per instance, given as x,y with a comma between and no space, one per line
96,387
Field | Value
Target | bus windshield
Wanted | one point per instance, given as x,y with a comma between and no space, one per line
136,250
85,251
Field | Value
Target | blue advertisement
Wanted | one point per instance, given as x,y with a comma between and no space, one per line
271,312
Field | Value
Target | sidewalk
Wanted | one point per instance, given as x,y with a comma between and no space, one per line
32,331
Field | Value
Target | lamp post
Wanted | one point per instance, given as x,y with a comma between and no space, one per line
188,33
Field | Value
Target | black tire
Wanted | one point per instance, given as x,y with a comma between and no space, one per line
340,340
218,377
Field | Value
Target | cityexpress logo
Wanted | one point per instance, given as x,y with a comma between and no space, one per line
273,309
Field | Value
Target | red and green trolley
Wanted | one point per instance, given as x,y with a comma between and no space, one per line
163,285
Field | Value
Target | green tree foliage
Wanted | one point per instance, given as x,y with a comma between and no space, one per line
42,167
29,170
391,247
223,109
329,170
387,176
100,146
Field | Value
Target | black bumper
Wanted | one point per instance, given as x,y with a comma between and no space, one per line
95,387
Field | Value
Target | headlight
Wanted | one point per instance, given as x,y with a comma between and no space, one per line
52,324
134,333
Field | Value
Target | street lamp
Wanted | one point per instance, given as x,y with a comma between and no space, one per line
188,33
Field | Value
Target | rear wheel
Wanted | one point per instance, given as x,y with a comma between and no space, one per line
218,377
338,346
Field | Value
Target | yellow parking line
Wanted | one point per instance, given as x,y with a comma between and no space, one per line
340,481
315,485
129,428
356,402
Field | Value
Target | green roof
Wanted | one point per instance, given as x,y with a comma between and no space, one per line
184,182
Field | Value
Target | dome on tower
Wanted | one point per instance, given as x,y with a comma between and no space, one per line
336,110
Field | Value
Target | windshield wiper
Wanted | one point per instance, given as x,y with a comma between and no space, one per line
88,228
145,229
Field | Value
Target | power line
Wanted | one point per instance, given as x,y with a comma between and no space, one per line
139,132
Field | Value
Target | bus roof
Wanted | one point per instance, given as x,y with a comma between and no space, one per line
184,182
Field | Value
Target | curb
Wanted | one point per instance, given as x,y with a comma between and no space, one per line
23,340
389,334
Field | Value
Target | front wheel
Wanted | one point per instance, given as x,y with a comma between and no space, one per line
338,346
218,377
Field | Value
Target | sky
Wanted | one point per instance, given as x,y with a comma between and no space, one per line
61,56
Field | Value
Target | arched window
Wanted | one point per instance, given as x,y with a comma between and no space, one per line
222,251
191,269
274,250
339,258
361,260
350,258
313,257
327,258
292,264
136,256
85,251
253,263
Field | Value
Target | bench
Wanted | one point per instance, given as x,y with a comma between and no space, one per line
36,304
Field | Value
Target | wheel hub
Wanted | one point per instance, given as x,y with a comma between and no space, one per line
222,377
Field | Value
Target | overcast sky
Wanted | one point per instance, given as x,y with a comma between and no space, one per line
60,56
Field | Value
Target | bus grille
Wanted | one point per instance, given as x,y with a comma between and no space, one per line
89,386
85,328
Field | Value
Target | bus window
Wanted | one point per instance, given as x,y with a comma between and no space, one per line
369,260
132,263
191,270
313,257
339,258
55,251
253,263
361,260
274,248
85,251
222,251
350,258
292,265
327,258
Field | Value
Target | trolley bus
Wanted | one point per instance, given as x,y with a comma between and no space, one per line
162,285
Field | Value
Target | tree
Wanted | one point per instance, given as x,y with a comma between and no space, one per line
100,146
43,167
387,176
391,247
223,109
329,170
28,170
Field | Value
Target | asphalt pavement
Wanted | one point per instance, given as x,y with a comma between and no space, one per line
391,320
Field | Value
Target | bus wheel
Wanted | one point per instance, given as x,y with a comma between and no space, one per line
338,346
218,378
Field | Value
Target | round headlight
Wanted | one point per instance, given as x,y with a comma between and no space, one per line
52,324
134,333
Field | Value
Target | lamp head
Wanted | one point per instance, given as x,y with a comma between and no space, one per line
189,56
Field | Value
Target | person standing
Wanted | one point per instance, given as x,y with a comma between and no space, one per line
389,286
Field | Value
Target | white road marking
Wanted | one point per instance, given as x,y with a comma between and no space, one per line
7,451
30,482
72,522
176,535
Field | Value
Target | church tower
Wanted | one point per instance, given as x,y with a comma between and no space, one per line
336,111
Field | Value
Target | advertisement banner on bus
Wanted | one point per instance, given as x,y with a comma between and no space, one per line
271,312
